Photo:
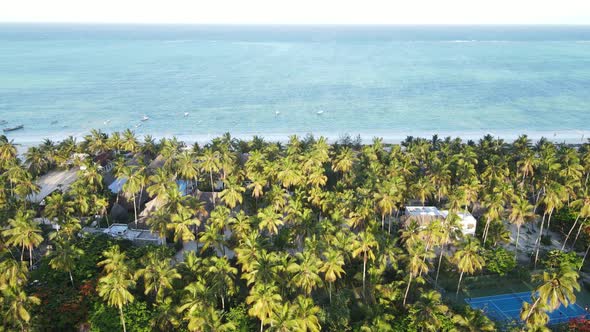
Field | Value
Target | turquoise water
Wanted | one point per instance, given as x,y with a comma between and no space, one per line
388,81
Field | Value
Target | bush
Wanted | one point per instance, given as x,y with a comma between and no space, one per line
557,258
500,261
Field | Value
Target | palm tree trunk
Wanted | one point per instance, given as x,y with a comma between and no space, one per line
532,308
516,244
538,243
548,223
222,303
212,189
570,232
135,210
438,267
261,325
382,221
485,230
407,290
31,256
578,234
389,223
122,319
459,284
585,254
71,278
330,291
22,254
364,273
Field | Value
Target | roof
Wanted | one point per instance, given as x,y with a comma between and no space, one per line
123,231
157,163
117,185
421,211
465,216
50,182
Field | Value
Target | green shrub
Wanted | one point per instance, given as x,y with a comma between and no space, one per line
500,261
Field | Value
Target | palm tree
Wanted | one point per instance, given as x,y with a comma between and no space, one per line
494,204
258,182
473,320
132,187
13,274
557,288
423,189
521,212
212,237
222,274
181,223
196,296
385,200
332,268
232,193
208,319
158,275
344,161
428,310
24,233
36,161
114,260
264,300
129,141
16,305
114,142
417,264
58,207
306,314
8,152
534,315
365,246
65,257
305,271
270,221
114,288
187,167
583,205
448,232
165,316
468,259
553,200
210,162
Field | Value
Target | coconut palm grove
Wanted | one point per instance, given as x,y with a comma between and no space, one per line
304,235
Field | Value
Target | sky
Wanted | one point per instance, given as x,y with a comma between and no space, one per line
299,11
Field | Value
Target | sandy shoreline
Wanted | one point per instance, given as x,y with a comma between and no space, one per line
24,141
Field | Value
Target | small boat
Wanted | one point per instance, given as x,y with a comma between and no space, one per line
320,112
145,118
107,122
54,122
277,113
14,128
138,125
185,114
3,122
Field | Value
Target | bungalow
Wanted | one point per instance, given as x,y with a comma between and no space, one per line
425,214
122,231
52,181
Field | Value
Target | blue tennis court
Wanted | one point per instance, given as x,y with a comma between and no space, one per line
506,307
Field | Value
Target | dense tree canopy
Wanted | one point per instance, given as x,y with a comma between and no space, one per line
301,236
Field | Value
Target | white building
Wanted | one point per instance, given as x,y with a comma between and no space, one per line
466,220
137,236
425,214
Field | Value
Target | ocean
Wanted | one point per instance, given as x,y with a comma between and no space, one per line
197,82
